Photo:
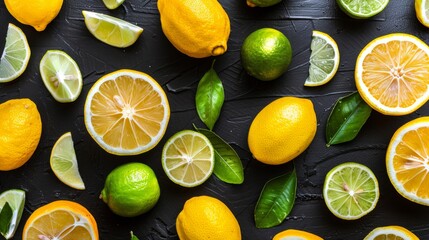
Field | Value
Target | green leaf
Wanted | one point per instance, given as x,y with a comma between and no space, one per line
5,218
209,98
133,237
346,119
276,200
228,166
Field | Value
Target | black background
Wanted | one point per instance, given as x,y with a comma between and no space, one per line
245,97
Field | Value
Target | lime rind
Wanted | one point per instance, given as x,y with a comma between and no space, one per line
113,4
16,200
15,56
362,9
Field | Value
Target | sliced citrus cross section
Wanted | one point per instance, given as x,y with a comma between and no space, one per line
392,75
391,233
363,8
422,11
350,190
113,4
293,234
126,112
61,220
15,56
188,158
324,59
16,200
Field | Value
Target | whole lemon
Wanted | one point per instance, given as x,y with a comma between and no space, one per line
131,189
20,128
36,13
197,28
205,217
282,130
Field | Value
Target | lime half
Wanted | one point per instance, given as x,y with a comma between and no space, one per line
113,4
16,200
324,59
61,76
64,164
188,158
15,56
363,8
110,30
350,191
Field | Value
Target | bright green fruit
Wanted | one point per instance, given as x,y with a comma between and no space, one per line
362,9
16,200
262,3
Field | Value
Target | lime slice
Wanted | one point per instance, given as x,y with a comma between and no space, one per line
16,200
324,59
363,8
61,76
64,164
15,56
422,11
188,158
113,4
350,190
110,30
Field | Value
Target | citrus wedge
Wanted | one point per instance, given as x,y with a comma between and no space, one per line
392,75
61,220
16,200
324,59
188,158
362,9
391,233
61,76
422,11
292,234
15,56
113,4
407,160
110,30
350,190
64,164
126,112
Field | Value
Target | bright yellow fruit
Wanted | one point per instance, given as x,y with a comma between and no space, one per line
422,13
205,218
391,233
282,130
36,13
292,234
197,28
21,128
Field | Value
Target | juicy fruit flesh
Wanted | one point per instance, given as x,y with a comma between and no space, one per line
363,7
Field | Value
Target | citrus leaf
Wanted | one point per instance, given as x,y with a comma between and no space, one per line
209,97
276,200
228,166
133,237
346,119
5,218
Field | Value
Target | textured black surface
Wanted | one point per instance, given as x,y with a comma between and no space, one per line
245,97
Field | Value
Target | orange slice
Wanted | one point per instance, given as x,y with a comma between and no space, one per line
391,233
391,74
62,220
126,112
407,160
292,234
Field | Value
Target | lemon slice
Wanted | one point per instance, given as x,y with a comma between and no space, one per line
15,56
110,30
113,4
422,11
64,164
188,158
293,234
350,191
324,59
16,200
61,76
391,233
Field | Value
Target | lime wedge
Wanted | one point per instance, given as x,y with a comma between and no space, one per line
15,56
64,164
422,11
110,30
350,191
61,76
363,8
188,158
113,4
324,59
16,200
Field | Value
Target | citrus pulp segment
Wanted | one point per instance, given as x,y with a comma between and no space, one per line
391,233
422,11
363,8
350,191
61,76
324,59
391,74
16,54
188,158
110,30
293,234
64,164
126,112
16,200
113,4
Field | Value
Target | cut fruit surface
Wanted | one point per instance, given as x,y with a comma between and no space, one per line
16,200
188,158
292,234
391,233
350,191
126,112
324,59
391,74
422,11
363,8
15,56
113,4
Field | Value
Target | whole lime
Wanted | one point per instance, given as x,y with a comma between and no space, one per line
131,189
266,54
